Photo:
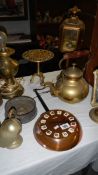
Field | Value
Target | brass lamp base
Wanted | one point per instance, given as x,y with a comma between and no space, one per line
94,114
11,90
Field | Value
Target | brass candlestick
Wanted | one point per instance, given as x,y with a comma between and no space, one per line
94,101
38,56
8,69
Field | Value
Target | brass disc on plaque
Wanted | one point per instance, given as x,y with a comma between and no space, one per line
57,130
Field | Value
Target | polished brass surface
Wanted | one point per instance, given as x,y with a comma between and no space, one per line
10,133
70,87
23,107
38,55
8,69
57,130
71,32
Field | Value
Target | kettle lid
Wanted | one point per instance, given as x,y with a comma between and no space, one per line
73,72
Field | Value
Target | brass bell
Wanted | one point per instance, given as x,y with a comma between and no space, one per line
71,32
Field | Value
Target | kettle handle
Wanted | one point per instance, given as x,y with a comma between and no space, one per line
74,55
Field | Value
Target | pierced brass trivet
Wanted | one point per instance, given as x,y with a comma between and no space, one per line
38,55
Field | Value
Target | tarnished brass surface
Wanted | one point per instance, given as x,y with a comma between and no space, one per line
7,52
57,130
71,32
38,55
10,90
9,133
8,69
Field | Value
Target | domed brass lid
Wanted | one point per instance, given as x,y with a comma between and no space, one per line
57,130
73,72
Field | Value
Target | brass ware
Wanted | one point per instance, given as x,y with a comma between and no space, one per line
94,114
25,108
71,32
94,100
38,55
10,133
57,130
70,87
8,69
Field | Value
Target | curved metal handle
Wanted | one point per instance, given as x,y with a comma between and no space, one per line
74,55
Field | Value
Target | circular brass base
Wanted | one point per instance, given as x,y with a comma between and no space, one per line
16,143
40,75
10,91
94,114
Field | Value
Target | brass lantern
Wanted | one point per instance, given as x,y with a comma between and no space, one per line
71,32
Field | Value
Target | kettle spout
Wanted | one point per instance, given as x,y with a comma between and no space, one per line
53,89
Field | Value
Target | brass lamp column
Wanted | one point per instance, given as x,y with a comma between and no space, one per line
8,69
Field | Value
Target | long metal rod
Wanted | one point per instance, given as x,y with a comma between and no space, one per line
41,100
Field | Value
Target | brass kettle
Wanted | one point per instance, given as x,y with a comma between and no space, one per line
70,86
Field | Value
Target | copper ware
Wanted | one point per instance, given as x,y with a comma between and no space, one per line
39,56
72,30
70,87
57,129
94,100
10,133
8,69
25,108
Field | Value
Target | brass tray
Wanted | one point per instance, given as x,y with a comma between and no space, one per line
57,130
38,55
25,108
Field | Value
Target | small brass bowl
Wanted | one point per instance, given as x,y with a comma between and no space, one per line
25,108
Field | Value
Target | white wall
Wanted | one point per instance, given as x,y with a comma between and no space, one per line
16,26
